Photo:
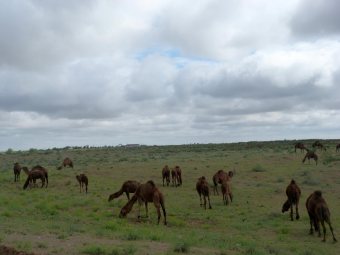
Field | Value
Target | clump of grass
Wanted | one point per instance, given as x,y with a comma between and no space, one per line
258,168
131,236
94,250
182,248
310,181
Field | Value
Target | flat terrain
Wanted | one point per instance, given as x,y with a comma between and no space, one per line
60,220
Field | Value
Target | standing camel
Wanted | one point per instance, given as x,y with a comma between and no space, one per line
219,177
67,162
226,192
174,177
16,170
166,175
37,172
300,146
147,193
293,193
83,181
337,148
309,155
178,175
202,188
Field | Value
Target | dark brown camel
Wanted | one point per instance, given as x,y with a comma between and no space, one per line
37,172
83,181
293,193
178,175
166,175
300,146
16,170
218,178
127,187
202,188
309,155
318,211
147,193
318,145
67,162
337,148
226,192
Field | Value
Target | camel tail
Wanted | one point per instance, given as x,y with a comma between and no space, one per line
27,182
46,176
304,159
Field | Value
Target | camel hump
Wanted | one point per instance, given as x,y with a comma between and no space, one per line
318,193
151,183
292,181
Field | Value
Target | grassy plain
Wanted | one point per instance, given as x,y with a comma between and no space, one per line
60,220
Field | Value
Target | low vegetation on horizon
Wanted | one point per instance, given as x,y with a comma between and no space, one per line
60,219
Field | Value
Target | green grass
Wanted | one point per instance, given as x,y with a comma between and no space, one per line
60,220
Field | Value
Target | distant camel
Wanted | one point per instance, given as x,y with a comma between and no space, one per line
83,181
202,188
147,193
218,178
16,170
300,146
127,187
318,211
319,145
178,175
337,147
67,162
309,155
166,175
226,192
293,193
174,177
37,172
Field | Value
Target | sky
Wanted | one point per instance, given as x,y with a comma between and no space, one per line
76,72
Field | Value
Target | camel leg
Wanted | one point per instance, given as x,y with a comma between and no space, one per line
311,225
163,181
200,199
157,205
86,188
146,210
205,202
209,202
324,230
127,195
297,210
291,211
231,197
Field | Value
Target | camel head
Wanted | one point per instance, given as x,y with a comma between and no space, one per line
286,206
111,197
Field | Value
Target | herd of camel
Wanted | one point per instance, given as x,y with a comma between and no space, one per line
148,192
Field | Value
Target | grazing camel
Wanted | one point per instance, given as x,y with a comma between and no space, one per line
300,146
67,162
319,145
37,172
127,187
147,193
337,148
318,211
16,170
218,178
293,193
166,175
202,188
83,181
309,155
226,192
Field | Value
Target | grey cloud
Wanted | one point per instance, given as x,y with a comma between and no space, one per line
317,18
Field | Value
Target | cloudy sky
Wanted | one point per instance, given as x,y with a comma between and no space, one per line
80,72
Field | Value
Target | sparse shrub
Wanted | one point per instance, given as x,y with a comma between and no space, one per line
258,168
181,248
94,250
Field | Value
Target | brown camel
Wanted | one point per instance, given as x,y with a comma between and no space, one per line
318,145
127,187
293,193
300,146
147,193
83,181
318,211
174,177
166,175
337,148
202,188
218,178
16,170
309,155
67,162
37,172
226,192
178,175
